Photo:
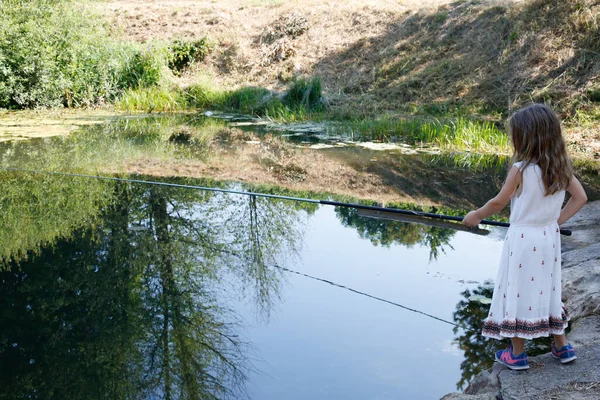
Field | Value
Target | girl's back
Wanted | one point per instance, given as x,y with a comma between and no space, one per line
532,207
527,295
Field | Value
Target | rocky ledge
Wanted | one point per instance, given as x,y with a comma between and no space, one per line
547,378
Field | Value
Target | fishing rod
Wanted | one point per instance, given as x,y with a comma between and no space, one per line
423,214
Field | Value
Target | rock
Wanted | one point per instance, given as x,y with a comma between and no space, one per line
581,263
486,381
585,228
462,396
579,256
584,332
581,292
548,376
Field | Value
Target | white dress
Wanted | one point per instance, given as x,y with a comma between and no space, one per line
527,292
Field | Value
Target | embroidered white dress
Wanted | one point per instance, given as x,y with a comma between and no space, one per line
527,294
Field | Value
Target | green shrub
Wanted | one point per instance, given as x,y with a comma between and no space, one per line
594,95
58,53
186,52
152,99
204,95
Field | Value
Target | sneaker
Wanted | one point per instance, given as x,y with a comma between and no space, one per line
565,355
507,358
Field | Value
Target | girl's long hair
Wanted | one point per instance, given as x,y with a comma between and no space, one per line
537,138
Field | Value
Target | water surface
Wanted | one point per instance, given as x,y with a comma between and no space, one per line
133,291
175,293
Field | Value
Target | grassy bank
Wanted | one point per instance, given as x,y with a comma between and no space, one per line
396,75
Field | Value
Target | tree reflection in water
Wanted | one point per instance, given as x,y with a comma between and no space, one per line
110,290
130,308
479,350
385,233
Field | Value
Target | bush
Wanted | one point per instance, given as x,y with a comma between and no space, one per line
186,52
58,53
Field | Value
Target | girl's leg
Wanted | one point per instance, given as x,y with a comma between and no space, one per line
560,341
562,350
518,345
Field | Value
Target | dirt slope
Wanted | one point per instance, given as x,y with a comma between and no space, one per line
396,58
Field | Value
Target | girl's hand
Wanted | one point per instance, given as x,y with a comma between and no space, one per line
471,219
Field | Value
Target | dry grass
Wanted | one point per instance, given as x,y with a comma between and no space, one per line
384,54
237,27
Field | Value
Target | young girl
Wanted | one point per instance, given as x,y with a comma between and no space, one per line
527,295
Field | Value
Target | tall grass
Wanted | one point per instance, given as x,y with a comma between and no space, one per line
305,93
151,99
464,134
303,97
458,133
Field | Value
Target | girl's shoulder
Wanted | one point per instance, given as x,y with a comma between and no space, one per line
519,164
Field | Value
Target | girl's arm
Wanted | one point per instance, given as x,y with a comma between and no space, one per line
496,204
577,200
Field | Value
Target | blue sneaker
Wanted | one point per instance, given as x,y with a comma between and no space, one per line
507,358
565,355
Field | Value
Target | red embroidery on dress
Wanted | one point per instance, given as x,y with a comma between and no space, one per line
504,295
532,279
529,308
541,292
520,265
534,249
556,229
518,295
491,314
521,236
542,263
545,325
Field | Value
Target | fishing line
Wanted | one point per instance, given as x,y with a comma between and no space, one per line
366,294
243,258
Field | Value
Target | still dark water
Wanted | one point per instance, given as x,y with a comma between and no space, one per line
131,291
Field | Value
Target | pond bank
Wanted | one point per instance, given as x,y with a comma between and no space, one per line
547,378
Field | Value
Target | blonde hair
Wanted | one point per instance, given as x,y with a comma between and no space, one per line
537,138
